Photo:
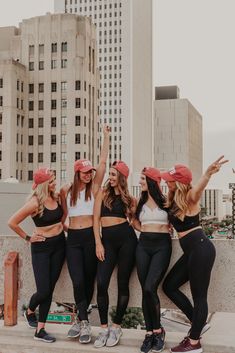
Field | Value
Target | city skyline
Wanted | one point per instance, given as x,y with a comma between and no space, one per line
202,69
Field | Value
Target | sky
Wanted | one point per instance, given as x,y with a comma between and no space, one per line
193,49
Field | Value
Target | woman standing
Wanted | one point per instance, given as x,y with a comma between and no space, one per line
78,201
116,245
152,254
196,263
47,246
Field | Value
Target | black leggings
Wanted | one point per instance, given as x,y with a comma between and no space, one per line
153,255
119,242
195,266
82,265
47,260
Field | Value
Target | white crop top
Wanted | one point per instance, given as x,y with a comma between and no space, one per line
155,216
82,207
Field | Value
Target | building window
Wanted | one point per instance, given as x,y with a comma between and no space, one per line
41,65
77,155
40,139
53,139
53,47
77,120
1,101
53,86
31,50
53,157
63,139
0,118
64,120
53,122
31,124
31,105
64,86
53,104
41,48
40,157
63,63
64,46
63,103
30,140
1,83
77,85
40,122
30,158
77,138
31,66
63,174
53,64
63,156
31,88
40,105
30,175
0,136
17,85
77,102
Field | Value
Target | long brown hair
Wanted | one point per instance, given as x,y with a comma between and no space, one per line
74,189
109,194
177,200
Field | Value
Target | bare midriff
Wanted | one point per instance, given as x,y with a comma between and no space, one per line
50,231
155,228
112,221
182,234
81,222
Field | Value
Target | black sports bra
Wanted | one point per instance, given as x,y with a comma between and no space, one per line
188,223
49,217
118,209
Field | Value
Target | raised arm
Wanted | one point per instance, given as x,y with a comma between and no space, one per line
27,210
96,226
63,196
195,193
100,171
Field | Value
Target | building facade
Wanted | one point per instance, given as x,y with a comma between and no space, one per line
49,95
177,131
212,203
124,37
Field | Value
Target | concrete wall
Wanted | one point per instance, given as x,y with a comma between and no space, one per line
221,293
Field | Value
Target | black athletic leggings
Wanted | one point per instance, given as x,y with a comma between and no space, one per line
195,266
153,255
47,260
82,265
119,242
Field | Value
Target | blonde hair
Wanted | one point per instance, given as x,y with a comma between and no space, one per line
41,192
177,200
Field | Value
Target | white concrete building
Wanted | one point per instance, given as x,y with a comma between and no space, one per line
177,131
212,202
227,205
124,36
49,89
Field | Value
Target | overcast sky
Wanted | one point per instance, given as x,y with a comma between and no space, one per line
194,49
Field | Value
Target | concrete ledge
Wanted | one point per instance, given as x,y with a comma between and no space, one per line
18,339
221,292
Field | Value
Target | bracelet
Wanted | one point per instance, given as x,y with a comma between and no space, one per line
27,237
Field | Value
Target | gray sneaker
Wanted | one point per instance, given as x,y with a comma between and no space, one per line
102,338
114,336
74,331
85,333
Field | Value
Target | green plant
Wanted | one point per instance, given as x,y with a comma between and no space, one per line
132,319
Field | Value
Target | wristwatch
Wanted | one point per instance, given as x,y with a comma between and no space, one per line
27,237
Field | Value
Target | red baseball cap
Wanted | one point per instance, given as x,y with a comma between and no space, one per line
121,167
83,165
40,176
179,173
152,173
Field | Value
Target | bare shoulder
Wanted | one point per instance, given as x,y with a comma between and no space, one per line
65,189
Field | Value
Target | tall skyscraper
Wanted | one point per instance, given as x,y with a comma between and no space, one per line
49,88
124,37
177,131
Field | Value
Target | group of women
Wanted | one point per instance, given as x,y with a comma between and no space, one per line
100,235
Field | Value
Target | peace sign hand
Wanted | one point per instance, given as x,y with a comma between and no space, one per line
215,167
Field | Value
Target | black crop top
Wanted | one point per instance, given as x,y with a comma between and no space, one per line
49,217
118,208
188,223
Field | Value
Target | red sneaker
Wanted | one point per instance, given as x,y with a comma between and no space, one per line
186,346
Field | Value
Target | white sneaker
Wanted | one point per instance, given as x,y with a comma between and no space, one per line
114,336
102,338
85,333
74,331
